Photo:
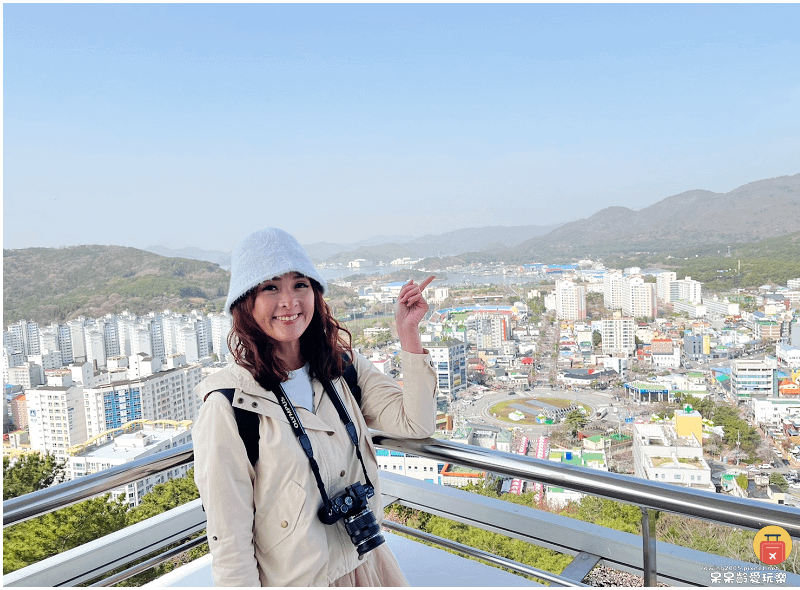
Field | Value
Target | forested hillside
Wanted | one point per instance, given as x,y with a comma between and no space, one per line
57,284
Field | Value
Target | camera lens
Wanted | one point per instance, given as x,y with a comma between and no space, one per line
364,531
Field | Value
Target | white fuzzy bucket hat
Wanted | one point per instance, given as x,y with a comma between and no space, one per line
264,255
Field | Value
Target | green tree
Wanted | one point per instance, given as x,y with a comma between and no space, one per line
597,339
42,537
575,420
165,496
778,480
31,472
607,513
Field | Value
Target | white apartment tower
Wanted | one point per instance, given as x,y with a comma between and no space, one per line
111,335
157,336
166,395
142,341
570,300
663,282
95,346
56,419
186,343
24,336
202,325
64,342
619,335
450,361
612,290
638,298
126,328
48,338
78,339
754,378
687,290
220,326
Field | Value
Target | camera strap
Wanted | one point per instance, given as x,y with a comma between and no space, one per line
305,442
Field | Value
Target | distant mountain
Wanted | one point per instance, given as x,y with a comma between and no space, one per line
57,284
750,213
215,256
452,243
753,212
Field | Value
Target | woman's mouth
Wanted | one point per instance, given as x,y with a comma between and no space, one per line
287,318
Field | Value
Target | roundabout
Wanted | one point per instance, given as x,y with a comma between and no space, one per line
531,411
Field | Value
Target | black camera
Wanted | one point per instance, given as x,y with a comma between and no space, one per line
359,521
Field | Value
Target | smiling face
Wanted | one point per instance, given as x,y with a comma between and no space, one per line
283,308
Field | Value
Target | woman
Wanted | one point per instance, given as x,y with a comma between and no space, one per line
263,523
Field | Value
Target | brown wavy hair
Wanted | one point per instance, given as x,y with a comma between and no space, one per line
323,344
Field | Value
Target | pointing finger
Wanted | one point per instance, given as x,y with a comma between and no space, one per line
426,282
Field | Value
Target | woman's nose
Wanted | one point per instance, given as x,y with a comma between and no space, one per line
287,299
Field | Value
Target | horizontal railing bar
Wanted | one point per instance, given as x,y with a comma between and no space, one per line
677,566
151,563
97,558
739,512
43,501
480,554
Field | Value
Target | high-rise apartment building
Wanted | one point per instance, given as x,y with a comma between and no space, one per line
95,346
110,335
619,335
663,285
612,290
754,378
78,339
165,395
186,343
24,337
638,298
11,359
26,375
56,418
142,341
220,327
687,290
19,412
450,361
570,300
202,326
157,336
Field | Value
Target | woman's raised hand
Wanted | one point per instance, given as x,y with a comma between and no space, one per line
410,309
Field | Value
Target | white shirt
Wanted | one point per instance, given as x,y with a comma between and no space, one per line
298,389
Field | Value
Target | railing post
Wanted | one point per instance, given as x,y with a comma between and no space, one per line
649,547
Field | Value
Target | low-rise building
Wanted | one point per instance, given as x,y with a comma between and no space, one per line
142,440
672,453
410,465
559,497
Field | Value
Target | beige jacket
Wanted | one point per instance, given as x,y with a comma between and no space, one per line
262,527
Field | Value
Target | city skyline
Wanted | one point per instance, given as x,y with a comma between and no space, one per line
192,125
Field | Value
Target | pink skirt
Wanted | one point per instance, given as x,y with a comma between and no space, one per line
380,568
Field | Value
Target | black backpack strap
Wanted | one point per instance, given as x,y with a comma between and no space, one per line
247,423
351,378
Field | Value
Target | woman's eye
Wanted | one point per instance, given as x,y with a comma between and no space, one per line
302,286
268,288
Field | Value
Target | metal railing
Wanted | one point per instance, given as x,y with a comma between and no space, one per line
590,544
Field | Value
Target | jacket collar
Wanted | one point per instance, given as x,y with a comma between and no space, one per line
250,392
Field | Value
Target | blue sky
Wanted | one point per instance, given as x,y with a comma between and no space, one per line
192,125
